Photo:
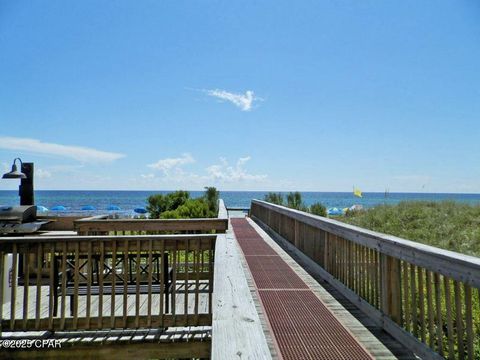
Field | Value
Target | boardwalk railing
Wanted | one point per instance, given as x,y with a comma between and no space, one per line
107,282
425,297
104,226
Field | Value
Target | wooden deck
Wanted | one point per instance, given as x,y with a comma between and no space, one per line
131,300
171,342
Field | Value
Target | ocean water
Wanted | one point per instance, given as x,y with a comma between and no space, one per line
128,200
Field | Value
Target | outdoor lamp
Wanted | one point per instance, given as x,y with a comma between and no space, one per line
15,174
26,176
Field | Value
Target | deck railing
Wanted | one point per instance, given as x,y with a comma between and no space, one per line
107,282
426,297
104,226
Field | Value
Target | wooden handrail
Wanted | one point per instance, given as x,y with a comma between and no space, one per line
428,298
102,225
457,266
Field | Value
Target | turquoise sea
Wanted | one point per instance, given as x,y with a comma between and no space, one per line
128,200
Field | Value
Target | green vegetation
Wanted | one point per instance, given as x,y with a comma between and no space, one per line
318,209
448,225
294,201
274,198
179,205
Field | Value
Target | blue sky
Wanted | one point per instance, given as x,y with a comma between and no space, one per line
243,95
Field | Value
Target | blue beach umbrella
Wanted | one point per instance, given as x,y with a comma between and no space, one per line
334,211
140,210
59,208
113,208
88,207
41,208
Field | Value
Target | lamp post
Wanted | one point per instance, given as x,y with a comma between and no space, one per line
25,189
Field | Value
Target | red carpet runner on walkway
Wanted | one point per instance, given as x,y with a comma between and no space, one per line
302,325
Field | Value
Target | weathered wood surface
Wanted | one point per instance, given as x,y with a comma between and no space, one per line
126,344
222,211
59,223
84,322
218,225
236,329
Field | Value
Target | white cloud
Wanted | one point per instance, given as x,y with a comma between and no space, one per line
242,101
42,174
174,175
168,164
79,153
226,173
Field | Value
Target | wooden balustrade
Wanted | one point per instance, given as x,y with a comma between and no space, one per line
426,297
104,226
107,282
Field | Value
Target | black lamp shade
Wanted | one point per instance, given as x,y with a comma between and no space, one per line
14,174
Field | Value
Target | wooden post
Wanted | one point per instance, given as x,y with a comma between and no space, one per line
296,240
2,264
391,288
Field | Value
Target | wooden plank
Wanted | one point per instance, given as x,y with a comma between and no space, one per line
431,333
219,225
137,288
114,275
63,285
52,285
197,277
162,287
459,319
449,311
2,285
438,306
38,301
13,294
185,302
125,283
119,322
236,329
469,321
406,296
413,292
150,277
126,350
26,265
89,282
76,278
421,303
101,270
174,280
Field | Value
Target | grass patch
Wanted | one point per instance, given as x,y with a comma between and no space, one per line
447,225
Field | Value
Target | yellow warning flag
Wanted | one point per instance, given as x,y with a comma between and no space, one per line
357,192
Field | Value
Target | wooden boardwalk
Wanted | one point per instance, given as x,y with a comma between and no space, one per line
304,320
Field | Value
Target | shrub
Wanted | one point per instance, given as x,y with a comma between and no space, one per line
274,198
192,208
212,195
294,201
159,203
179,205
318,209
